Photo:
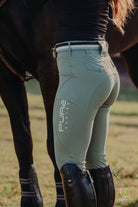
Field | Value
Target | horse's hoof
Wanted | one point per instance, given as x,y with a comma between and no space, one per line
31,195
60,203
31,202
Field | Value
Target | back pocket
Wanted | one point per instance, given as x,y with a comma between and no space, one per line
94,65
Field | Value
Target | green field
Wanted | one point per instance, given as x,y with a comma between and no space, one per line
122,151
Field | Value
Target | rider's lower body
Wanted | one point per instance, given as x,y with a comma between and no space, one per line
89,84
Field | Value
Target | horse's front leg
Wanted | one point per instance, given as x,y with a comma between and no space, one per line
48,79
13,94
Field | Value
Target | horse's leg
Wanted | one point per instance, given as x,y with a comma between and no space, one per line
48,80
131,59
13,94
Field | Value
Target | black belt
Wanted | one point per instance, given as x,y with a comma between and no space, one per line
78,43
70,43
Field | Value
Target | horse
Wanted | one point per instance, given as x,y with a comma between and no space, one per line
27,36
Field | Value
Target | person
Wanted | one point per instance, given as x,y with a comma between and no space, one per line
88,86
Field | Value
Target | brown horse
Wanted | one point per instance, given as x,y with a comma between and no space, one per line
126,44
27,35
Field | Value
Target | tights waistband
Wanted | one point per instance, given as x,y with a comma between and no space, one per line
78,45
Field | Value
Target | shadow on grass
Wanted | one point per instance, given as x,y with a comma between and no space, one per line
116,113
125,124
135,204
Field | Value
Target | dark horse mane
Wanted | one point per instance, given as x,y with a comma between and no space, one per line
27,35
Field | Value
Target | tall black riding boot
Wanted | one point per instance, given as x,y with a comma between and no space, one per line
31,195
78,188
104,186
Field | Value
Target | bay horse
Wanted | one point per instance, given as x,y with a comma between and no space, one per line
27,35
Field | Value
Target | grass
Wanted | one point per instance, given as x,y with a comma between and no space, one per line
121,151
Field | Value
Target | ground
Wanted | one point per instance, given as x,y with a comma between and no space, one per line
121,151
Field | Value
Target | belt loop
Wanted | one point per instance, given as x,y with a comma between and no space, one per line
107,45
69,48
104,47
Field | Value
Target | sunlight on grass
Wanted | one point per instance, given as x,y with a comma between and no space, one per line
121,151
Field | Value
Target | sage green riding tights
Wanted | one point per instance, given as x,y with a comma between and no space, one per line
89,84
